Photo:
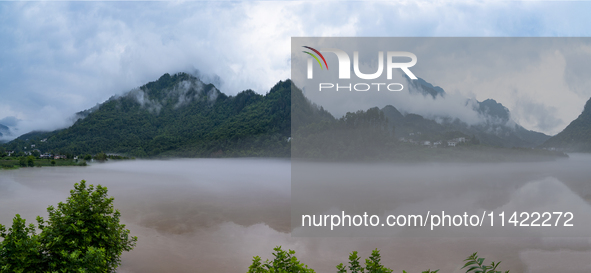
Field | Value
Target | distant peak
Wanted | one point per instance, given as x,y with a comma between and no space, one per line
494,109
423,87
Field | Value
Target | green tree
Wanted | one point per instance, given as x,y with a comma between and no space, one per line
35,153
31,161
53,162
22,161
372,265
20,248
87,157
101,157
284,262
84,232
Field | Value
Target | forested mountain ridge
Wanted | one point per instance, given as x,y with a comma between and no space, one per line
177,115
576,137
495,128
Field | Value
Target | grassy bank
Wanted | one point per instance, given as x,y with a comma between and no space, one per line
15,163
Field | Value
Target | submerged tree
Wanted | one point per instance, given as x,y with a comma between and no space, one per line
101,157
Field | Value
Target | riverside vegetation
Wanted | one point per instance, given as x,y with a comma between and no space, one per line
82,235
286,262
20,159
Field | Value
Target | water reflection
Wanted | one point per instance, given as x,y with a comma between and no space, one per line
213,215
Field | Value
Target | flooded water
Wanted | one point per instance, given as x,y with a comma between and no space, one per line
214,215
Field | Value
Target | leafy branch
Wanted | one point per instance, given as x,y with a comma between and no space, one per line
475,264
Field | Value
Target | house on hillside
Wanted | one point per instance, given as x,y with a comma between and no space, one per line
460,139
451,143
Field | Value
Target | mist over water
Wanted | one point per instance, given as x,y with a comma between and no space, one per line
214,215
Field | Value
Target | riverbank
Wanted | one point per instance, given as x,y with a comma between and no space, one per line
15,163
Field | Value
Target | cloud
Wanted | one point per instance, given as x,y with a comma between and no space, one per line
9,121
531,77
68,56
454,106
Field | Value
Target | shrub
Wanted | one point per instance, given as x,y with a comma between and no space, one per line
101,157
22,161
372,265
81,235
284,262
475,264
31,161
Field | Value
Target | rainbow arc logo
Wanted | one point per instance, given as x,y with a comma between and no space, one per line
319,54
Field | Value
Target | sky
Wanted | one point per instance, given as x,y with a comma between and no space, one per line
538,78
59,58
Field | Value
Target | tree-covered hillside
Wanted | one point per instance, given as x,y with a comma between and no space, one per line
494,132
576,137
179,115
176,115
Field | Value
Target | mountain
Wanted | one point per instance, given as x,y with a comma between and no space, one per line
177,115
3,129
417,127
496,128
576,137
368,135
423,87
